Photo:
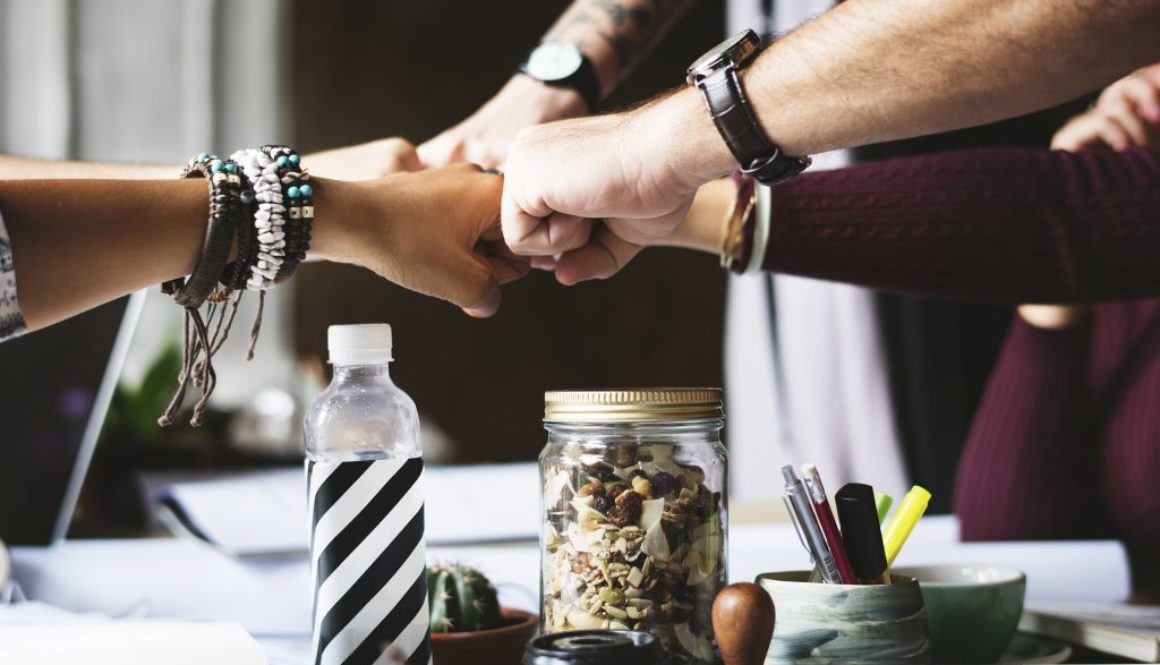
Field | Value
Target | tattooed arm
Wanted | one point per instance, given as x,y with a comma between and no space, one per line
613,34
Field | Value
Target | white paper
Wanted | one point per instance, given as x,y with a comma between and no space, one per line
265,512
179,578
128,643
1143,619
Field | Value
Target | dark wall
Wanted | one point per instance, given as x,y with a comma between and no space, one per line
372,69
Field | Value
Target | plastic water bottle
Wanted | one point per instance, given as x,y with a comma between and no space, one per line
364,472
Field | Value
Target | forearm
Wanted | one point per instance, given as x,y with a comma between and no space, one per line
1003,225
79,243
999,225
25,168
616,34
871,71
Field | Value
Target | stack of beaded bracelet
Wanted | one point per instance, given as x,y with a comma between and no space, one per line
266,256
285,213
269,186
299,197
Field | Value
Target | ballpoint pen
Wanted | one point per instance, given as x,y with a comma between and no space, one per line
898,529
861,533
803,512
829,525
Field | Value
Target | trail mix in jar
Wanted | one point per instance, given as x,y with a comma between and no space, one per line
633,541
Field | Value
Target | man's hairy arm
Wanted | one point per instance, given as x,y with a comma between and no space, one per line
872,71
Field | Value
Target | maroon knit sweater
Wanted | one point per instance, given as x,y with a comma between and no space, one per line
1066,440
1000,225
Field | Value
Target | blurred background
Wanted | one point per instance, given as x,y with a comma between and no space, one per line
157,81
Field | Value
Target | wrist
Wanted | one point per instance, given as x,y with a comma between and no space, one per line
682,127
552,102
703,228
337,205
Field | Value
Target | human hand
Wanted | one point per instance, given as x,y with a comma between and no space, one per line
484,137
637,172
1126,115
365,161
435,232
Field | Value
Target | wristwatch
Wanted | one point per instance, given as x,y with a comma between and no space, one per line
562,65
715,73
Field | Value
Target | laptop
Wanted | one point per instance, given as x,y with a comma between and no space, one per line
55,389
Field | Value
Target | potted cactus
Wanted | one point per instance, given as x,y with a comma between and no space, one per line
468,627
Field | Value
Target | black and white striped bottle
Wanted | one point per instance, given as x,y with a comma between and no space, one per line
364,473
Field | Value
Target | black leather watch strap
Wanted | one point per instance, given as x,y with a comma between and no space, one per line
583,81
759,157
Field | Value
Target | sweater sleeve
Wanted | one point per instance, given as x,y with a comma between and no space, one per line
1027,468
11,321
1004,225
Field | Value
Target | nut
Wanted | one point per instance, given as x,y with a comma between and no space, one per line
641,486
615,490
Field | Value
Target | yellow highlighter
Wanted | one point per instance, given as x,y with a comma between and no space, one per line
898,529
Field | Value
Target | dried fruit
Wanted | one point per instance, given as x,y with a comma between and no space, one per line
594,488
612,596
615,490
602,504
601,471
637,473
623,455
626,509
663,483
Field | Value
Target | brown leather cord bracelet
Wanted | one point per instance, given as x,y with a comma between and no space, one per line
226,213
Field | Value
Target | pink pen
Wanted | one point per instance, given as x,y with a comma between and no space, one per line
829,525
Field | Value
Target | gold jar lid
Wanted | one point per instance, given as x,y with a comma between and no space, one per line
632,404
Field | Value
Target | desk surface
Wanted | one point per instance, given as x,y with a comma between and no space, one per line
270,596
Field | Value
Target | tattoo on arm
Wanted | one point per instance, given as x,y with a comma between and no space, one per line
627,26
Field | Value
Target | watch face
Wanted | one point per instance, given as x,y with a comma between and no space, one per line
554,61
736,50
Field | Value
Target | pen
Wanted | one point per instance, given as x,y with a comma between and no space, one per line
898,529
861,533
882,501
804,513
829,525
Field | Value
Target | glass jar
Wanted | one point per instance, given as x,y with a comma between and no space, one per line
635,514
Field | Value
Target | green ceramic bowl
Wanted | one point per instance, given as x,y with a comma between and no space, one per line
973,611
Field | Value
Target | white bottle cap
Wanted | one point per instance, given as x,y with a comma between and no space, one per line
359,343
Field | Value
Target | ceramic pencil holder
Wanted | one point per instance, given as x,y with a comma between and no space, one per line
846,623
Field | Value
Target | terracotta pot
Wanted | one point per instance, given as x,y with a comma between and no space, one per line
497,646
